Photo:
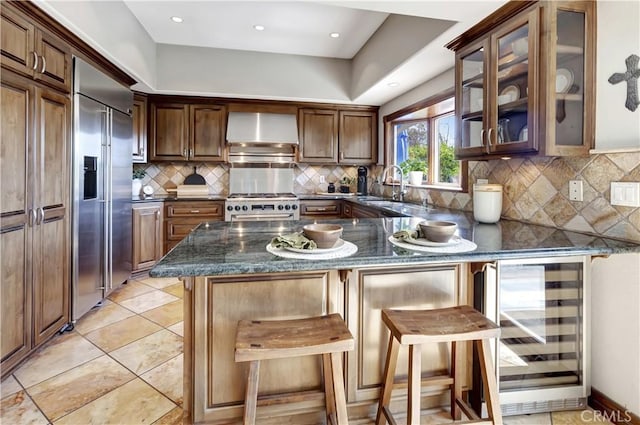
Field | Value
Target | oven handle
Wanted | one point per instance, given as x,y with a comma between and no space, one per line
260,217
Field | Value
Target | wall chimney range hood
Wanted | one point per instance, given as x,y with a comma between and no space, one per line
257,137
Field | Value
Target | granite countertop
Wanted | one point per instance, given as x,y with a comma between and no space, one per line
219,248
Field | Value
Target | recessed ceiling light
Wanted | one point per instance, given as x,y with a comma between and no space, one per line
335,34
176,19
258,27
393,84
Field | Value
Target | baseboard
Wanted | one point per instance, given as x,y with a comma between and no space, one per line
611,410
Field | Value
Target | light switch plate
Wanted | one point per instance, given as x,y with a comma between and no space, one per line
482,181
575,190
625,193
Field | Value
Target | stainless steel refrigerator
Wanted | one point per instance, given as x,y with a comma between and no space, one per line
102,146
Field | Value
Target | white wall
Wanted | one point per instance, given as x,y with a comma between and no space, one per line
615,334
618,37
235,73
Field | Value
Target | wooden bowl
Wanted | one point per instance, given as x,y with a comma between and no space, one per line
437,231
324,235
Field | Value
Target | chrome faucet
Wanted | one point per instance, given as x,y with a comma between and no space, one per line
401,191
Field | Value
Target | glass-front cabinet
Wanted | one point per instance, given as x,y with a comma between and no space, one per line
523,84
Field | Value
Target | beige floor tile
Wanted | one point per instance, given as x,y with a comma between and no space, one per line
102,316
166,315
160,282
174,417
167,378
20,409
148,301
71,390
532,419
577,417
9,386
144,354
177,290
130,290
60,354
177,328
133,403
121,333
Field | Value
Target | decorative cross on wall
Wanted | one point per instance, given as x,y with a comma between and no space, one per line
631,77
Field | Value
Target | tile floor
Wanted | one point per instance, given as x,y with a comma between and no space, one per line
122,364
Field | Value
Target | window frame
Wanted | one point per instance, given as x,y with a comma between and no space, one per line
389,121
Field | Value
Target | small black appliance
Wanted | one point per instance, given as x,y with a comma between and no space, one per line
362,180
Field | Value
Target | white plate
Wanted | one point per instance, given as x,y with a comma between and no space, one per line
455,239
564,80
524,134
339,244
509,94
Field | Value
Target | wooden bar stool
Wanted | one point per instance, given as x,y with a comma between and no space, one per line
454,324
258,340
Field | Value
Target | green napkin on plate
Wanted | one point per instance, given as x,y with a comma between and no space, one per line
405,234
293,240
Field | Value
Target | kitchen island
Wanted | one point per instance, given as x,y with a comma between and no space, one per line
229,276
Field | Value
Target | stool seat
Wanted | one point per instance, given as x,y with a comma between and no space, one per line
460,323
258,340
445,325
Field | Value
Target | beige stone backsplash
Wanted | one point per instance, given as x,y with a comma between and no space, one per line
536,189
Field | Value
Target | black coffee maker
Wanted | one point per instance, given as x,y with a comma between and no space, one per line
362,181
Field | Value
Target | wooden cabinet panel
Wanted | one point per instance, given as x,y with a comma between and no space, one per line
358,142
147,238
195,209
318,135
16,41
55,61
139,128
207,126
181,217
347,211
169,131
359,211
310,209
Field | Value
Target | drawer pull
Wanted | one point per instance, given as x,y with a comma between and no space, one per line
195,211
35,61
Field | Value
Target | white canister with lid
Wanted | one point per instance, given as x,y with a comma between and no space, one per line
487,202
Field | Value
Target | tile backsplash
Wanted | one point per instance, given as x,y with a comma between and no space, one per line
535,189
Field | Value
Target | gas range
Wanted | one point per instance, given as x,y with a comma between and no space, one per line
262,206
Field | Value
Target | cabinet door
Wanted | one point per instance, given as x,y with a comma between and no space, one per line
513,87
16,42
51,248
15,219
55,61
318,135
169,128
207,132
147,235
358,142
139,129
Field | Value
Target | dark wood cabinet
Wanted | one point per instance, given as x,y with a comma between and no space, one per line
181,217
147,240
33,51
524,83
330,136
139,115
360,211
183,132
34,221
320,209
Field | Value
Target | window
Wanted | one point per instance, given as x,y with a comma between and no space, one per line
422,141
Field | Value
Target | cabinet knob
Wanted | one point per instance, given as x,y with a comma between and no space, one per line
35,60
184,152
191,153
44,64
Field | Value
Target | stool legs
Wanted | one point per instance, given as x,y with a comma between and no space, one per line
415,371
388,375
456,386
489,378
251,397
337,379
330,398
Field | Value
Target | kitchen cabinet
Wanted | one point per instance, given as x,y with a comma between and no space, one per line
181,217
320,209
147,241
525,81
329,136
35,232
360,211
33,51
183,132
139,116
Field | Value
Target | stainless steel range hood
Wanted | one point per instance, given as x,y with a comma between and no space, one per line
256,137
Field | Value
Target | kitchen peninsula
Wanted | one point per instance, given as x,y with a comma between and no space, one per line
229,276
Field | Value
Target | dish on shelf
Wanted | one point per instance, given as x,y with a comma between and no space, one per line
339,244
520,47
455,239
509,94
564,80
524,134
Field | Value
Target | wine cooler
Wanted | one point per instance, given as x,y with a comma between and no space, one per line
542,357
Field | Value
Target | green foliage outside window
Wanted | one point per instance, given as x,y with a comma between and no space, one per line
449,166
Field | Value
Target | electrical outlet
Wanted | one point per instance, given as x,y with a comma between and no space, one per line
321,179
575,190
